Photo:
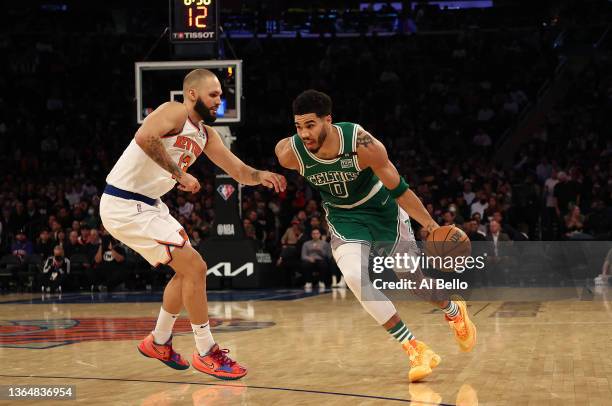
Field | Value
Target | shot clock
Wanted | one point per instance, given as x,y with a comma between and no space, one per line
194,20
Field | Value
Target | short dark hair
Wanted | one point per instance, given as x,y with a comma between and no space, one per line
312,101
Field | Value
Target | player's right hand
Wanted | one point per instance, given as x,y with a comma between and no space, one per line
188,183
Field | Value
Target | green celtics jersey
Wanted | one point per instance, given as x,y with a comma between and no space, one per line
358,208
341,182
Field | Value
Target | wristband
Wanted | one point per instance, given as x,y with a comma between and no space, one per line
399,189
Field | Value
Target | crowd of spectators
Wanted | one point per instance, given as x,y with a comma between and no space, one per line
438,102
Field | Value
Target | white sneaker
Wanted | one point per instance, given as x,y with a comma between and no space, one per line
342,283
308,286
601,280
321,286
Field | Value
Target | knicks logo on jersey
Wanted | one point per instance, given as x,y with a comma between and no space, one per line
188,144
39,334
326,178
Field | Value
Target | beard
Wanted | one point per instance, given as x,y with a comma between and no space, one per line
320,140
204,112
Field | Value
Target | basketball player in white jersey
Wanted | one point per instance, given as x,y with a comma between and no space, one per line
168,142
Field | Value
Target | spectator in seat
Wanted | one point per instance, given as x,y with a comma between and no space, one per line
21,246
506,228
289,257
109,264
448,218
73,245
44,245
56,270
196,240
316,256
496,236
293,234
549,217
93,242
480,204
481,227
260,233
574,223
468,194
185,208
471,229
565,192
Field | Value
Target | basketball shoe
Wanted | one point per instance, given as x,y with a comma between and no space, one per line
422,360
162,352
218,364
462,326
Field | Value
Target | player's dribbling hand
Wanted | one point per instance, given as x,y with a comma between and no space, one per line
188,183
274,181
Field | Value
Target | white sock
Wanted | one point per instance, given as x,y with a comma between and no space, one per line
163,328
203,338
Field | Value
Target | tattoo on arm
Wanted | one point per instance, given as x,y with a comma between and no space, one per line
364,139
156,151
256,175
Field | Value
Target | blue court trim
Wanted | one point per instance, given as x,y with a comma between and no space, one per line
124,194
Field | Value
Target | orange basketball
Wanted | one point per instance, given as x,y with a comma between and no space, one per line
448,241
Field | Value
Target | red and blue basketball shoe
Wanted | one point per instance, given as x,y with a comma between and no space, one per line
218,364
162,352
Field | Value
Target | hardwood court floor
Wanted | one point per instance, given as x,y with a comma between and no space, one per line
321,350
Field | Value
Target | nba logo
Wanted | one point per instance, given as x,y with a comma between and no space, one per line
225,191
346,163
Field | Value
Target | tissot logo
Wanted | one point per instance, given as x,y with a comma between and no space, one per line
225,269
226,191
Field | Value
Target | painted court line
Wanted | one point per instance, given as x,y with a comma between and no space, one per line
317,392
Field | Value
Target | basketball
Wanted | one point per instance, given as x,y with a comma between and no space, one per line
448,241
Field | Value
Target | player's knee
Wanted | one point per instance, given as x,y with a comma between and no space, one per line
350,266
187,262
197,266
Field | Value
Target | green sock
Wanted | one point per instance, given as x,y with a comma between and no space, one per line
401,333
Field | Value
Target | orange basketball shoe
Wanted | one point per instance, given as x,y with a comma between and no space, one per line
463,328
218,364
162,352
422,360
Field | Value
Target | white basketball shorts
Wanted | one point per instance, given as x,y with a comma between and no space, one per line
149,230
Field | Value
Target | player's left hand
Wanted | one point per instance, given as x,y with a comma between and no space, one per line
273,181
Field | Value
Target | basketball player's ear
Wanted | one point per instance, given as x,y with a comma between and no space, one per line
328,119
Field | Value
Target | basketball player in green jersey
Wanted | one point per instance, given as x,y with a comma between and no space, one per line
366,201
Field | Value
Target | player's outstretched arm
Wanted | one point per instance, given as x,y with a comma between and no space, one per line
221,156
166,119
372,153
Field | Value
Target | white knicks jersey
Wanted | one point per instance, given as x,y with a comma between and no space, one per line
136,172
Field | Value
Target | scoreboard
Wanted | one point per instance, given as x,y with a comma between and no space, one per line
194,20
